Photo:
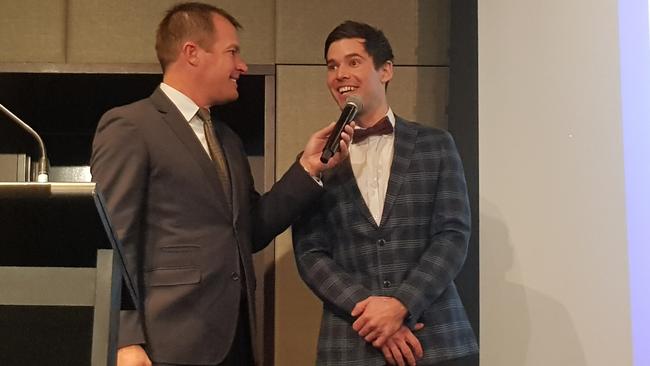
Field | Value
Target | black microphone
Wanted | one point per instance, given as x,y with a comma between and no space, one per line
353,106
42,162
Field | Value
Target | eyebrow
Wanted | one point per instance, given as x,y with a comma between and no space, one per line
347,57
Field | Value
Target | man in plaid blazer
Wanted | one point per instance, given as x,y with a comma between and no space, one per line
391,232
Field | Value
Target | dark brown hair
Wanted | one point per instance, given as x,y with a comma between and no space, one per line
375,42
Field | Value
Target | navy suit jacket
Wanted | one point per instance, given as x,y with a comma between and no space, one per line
186,249
414,253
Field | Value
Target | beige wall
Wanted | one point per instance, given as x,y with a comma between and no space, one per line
116,31
554,274
32,31
286,33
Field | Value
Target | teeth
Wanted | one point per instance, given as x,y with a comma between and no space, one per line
345,89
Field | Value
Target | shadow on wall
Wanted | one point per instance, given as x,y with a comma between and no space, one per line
519,325
297,308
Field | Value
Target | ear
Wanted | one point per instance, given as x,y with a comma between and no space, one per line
386,71
190,53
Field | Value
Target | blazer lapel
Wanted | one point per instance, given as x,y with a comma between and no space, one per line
405,136
175,121
348,183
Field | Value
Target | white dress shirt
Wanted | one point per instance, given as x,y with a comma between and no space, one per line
371,160
189,110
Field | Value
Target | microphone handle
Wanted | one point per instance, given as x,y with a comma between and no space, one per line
332,145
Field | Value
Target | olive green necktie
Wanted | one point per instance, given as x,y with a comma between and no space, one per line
216,152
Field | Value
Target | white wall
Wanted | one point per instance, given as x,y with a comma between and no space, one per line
554,272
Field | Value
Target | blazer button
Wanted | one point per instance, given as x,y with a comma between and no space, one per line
234,276
387,284
381,242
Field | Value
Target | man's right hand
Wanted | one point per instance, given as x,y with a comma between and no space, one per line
310,159
133,355
403,348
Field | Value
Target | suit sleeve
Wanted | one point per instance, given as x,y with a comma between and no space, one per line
119,166
274,211
447,248
327,279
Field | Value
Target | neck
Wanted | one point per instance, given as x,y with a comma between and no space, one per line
370,118
183,85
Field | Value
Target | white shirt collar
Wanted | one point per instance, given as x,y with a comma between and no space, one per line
185,105
390,115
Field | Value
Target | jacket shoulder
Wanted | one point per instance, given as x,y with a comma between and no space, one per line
427,133
138,111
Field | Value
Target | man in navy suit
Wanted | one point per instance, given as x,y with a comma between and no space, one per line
181,198
390,234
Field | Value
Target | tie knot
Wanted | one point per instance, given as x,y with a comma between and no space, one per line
383,127
204,114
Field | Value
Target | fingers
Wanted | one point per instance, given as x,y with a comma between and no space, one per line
347,133
418,326
406,353
346,138
359,324
397,354
414,344
371,336
379,341
388,356
369,329
360,307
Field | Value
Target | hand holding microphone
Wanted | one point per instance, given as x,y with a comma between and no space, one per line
353,106
322,147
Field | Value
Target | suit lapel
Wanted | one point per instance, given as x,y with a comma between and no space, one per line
175,121
351,189
405,136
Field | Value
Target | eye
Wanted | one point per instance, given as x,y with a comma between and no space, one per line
355,62
331,67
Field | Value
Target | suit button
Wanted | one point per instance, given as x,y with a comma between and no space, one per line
387,284
381,242
234,276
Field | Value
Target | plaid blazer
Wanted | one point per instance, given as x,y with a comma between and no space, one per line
413,255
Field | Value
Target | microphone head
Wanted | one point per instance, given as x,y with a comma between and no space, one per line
355,100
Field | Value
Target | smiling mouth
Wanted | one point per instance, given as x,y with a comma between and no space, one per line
346,89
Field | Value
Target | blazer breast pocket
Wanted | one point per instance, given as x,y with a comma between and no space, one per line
175,256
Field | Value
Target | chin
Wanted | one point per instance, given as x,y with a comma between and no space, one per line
227,99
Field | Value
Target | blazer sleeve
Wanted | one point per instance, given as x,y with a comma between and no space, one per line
327,279
119,166
450,230
273,212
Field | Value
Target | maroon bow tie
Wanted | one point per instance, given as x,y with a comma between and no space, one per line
383,127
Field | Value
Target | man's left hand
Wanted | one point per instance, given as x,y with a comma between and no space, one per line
403,348
379,317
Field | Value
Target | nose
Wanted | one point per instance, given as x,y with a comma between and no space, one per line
341,72
241,66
